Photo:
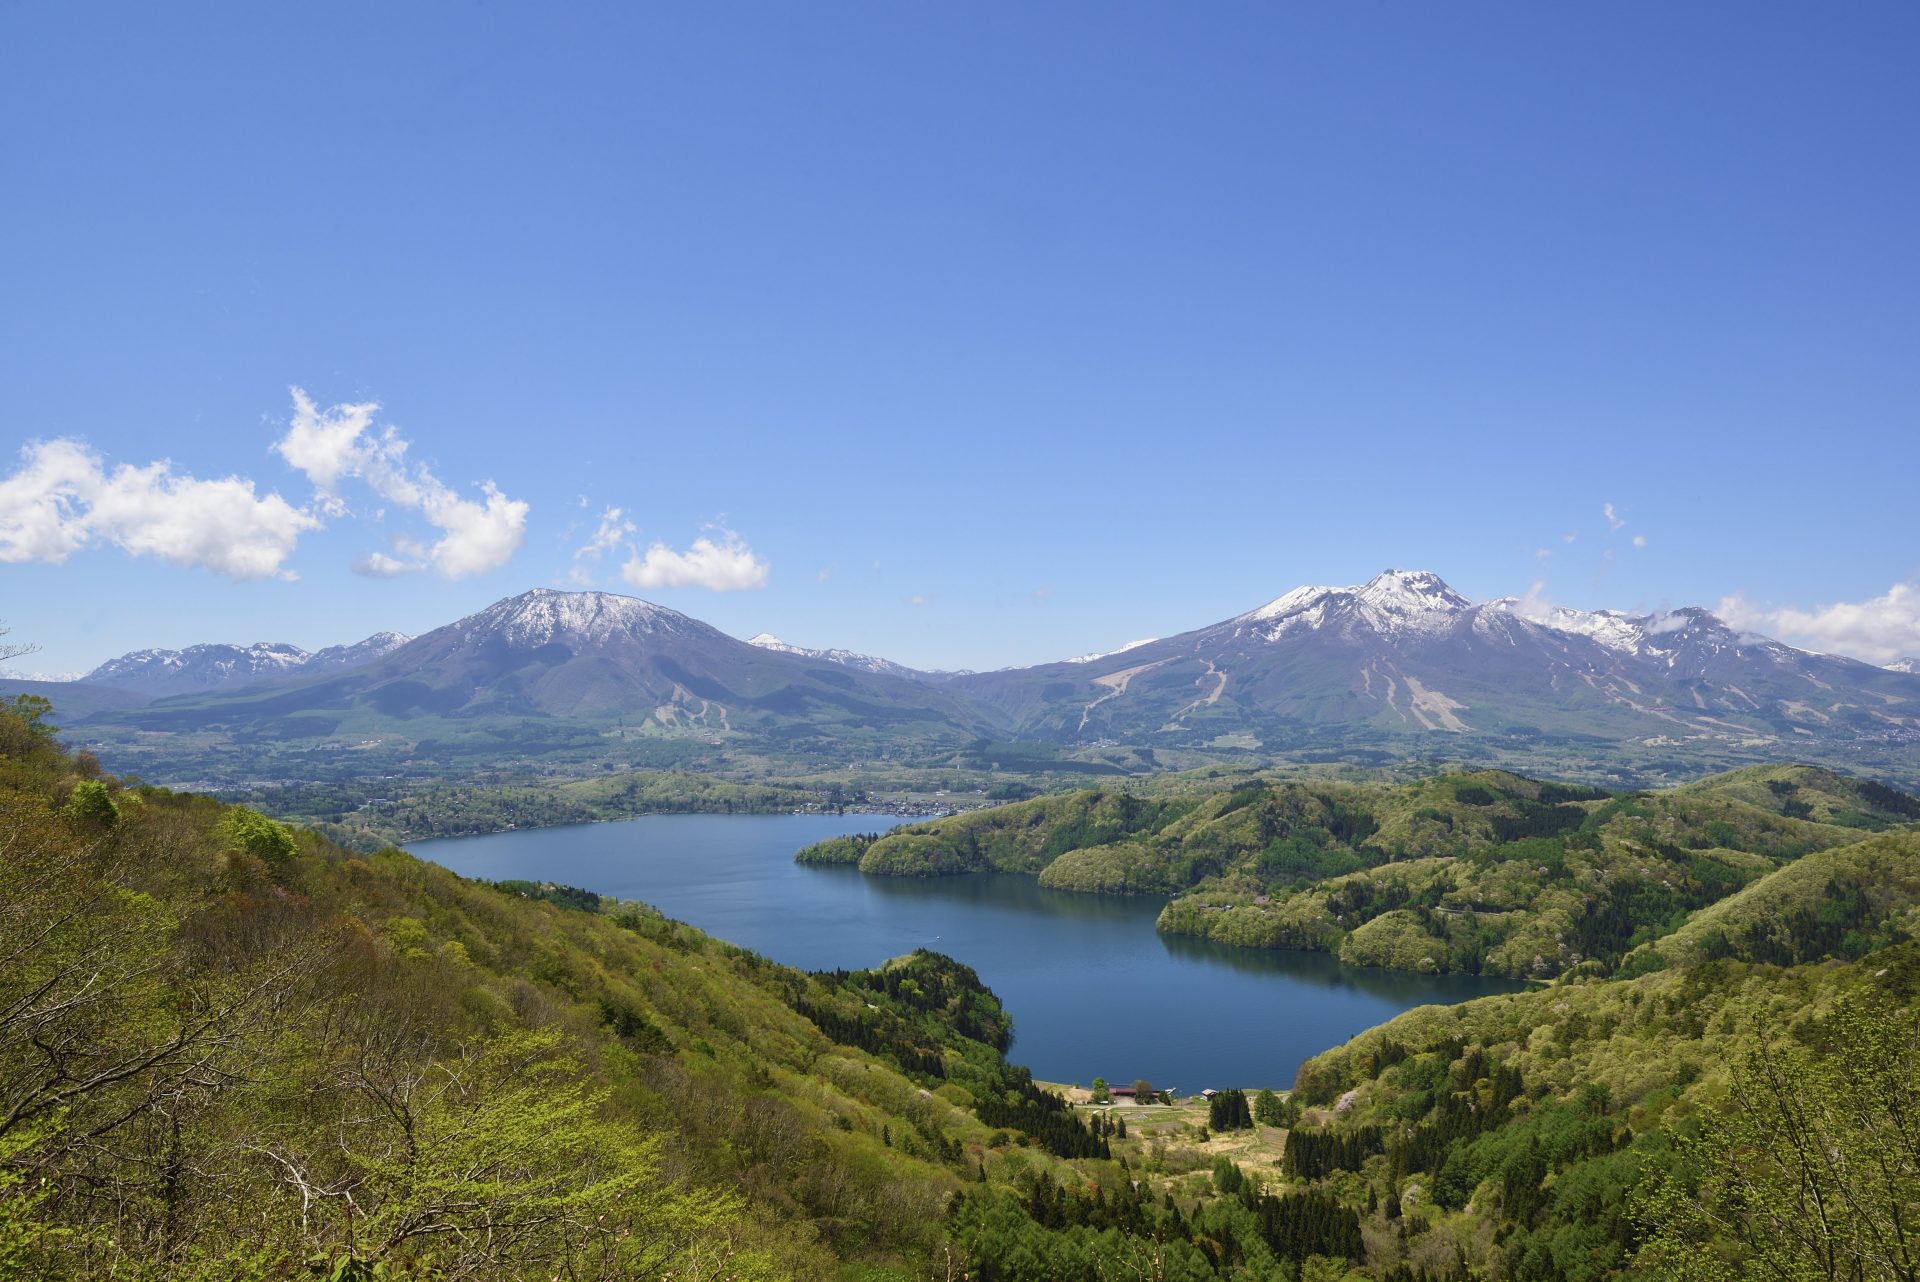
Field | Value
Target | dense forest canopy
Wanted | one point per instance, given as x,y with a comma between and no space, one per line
1481,872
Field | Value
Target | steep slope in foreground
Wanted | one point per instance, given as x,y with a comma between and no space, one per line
226,1048
232,1051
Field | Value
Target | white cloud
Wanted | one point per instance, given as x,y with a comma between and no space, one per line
1534,605
727,565
479,537
1878,630
1639,540
63,497
918,598
340,442
325,444
615,529
1614,521
378,565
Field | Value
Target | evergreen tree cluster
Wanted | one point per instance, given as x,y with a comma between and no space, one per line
1244,1233
1314,1154
1228,1111
1023,1106
875,1034
1310,1222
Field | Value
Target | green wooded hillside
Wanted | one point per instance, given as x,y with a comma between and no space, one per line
1481,872
233,1050
230,1049
1730,1119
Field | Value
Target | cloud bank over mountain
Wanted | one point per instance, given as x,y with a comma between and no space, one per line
1879,629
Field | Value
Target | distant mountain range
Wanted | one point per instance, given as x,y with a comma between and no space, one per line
1401,666
158,673
1405,653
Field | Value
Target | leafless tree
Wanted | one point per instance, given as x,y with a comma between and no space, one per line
12,651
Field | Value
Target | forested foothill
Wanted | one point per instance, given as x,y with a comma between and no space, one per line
1481,872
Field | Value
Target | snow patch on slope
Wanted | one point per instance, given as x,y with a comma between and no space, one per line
845,658
1614,629
1108,654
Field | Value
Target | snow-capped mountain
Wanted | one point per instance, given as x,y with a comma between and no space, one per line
547,616
1393,601
43,678
845,658
198,668
1908,665
1399,664
1614,629
1406,653
336,657
576,663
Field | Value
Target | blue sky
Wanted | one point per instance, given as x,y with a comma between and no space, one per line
968,335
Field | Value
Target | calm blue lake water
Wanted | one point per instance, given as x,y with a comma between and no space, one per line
1093,989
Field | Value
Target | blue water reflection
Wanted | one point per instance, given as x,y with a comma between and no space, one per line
1093,989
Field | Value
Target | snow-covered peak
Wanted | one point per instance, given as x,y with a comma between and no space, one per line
382,642
261,656
546,615
53,678
768,641
335,657
1614,629
217,666
1690,623
1909,665
1394,601
1412,597
1292,603
1108,654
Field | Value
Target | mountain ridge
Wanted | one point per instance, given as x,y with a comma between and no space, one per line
1399,666
157,673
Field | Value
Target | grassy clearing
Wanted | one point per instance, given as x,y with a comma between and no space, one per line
1171,1142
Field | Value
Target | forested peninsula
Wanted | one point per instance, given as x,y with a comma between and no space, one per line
1482,872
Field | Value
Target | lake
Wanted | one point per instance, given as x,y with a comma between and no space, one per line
1093,989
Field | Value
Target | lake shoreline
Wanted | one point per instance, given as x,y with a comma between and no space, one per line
1079,973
